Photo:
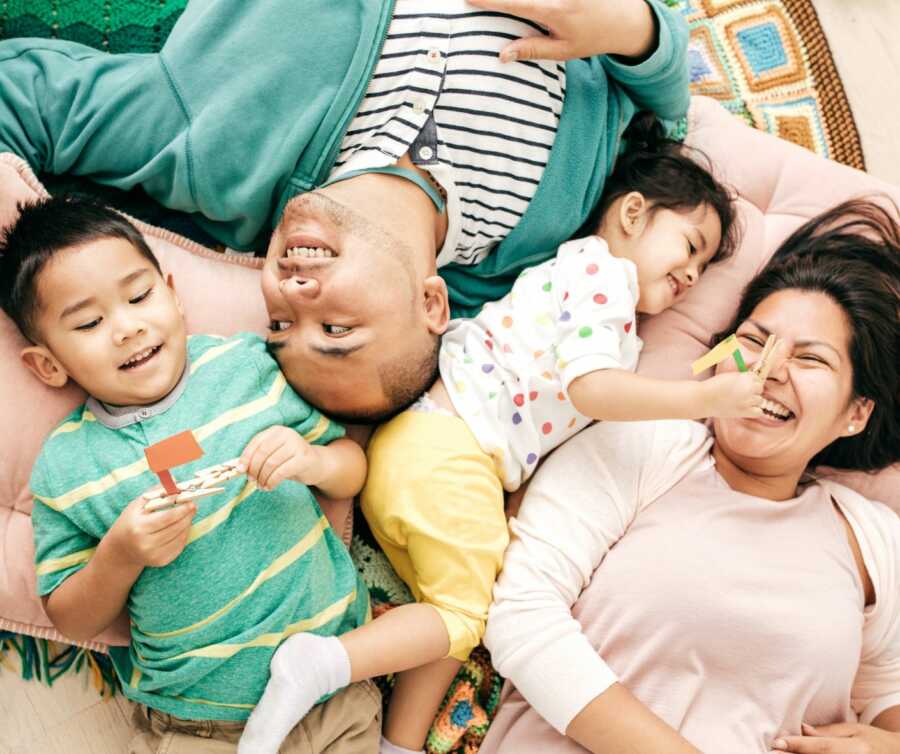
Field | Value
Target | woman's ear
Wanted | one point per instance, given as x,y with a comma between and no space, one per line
44,365
633,213
437,304
858,416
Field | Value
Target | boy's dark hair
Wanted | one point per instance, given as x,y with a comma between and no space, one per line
42,230
851,253
667,174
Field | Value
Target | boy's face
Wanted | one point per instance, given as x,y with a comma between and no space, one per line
110,322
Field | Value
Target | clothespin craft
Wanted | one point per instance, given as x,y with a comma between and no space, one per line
728,347
175,451
764,364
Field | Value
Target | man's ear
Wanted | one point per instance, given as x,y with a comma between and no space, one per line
437,304
44,365
633,213
170,282
858,415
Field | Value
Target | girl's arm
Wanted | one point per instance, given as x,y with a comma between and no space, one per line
617,395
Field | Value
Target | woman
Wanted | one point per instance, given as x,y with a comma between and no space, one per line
738,601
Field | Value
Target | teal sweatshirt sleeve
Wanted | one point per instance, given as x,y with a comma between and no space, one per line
659,83
67,108
244,107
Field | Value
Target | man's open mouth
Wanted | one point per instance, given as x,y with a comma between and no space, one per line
141,357
776,410
310,252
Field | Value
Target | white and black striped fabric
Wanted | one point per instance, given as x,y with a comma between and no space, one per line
483,129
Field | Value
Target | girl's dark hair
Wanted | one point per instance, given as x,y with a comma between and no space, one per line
667,174
851,253
42,230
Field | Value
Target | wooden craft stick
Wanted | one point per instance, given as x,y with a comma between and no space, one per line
171,500
717,354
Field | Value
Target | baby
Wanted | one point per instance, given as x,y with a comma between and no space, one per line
531,370
213,586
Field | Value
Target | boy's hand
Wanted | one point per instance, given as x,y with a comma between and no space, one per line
731,395
579,28
156,538
279,453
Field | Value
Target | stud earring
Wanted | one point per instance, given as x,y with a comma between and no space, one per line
851,428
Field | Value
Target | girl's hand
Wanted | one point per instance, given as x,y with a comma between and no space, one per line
144,538
731,395
279,453
579,28
843,738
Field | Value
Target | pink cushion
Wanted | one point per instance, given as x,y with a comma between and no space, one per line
780,186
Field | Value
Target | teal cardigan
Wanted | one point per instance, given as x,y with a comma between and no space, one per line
246,105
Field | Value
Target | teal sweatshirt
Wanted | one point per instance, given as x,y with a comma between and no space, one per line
246,105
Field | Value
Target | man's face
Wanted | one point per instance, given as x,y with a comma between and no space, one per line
342,293
112,322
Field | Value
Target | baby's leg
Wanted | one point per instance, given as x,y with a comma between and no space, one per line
415,700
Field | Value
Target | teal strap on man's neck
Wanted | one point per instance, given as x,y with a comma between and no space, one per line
409,175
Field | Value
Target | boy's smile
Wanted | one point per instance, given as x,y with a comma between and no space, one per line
111,323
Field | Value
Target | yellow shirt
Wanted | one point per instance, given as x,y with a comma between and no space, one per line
435,504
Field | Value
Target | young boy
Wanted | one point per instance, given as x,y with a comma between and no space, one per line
212,587
527,373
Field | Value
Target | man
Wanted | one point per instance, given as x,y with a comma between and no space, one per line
249,106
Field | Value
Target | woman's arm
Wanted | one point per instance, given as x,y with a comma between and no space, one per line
579,504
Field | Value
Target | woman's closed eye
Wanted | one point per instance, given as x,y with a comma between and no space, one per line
751,338
89,325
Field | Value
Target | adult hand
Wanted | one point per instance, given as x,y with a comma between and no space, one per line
843,738
150,538
279,453
579,28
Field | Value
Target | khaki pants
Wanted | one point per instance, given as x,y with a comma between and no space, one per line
348,723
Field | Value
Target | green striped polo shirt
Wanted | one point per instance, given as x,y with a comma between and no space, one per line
258,566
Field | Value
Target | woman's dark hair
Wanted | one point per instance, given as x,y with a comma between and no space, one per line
42,230
851,253
667,174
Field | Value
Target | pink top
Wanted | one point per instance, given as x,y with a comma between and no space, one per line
732,617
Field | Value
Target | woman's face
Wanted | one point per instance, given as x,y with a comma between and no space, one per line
809,388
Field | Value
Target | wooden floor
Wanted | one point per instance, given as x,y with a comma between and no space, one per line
70,718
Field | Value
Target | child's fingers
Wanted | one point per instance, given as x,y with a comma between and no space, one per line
260,456
276,461
160,520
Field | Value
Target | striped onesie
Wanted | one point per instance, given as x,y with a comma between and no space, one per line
258,566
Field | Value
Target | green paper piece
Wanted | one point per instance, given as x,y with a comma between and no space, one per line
739,360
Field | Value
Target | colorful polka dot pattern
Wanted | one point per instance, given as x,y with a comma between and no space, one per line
506,369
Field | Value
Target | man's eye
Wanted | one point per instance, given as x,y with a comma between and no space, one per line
89,325
277,325
336,329
137,299
750,338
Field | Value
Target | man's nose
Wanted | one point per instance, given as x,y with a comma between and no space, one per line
300,289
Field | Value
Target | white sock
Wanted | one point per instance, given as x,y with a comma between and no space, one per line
304,668
388,748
